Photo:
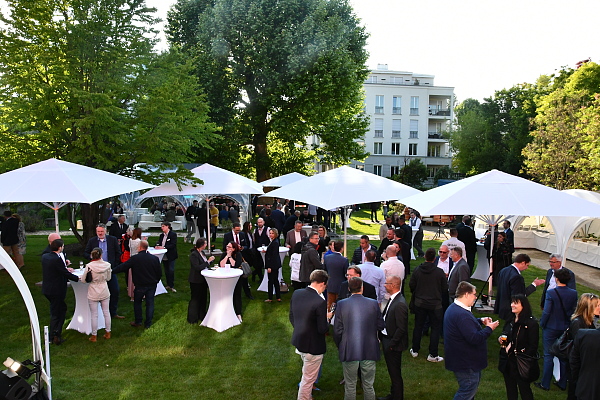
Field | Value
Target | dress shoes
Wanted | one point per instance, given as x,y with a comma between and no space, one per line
119,317
93,338
250,297
388,397
107,335
539,386
58,340
135,324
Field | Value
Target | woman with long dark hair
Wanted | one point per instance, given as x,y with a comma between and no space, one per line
522,334
198,285
233,258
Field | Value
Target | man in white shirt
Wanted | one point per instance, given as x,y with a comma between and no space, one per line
454,242
443,261
294,236
392,266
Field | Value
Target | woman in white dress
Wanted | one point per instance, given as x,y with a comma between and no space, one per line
98,291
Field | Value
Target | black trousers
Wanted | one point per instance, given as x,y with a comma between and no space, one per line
514,386
273,282
435,318
113,288
197,304
393,360
237,297
58,312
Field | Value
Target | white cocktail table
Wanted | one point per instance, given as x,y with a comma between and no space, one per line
221,282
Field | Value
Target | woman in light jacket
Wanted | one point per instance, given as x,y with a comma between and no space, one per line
98,291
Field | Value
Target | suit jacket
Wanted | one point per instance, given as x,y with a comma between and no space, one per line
336,266
510,236
584,364
228,237
10,228
550,275
407,238
309,262
278,218
357,322
308,316
262,239
55,275
197,264
170,245
113,249
289,224
272,259
116,231
510,282
145,269
555,316
396,324
368,291
460,272
385,242
357,255
467,235
290,239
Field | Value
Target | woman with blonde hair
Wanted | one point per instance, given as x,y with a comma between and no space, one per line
98,291
134,248
583,318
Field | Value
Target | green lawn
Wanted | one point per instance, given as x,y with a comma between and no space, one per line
175,360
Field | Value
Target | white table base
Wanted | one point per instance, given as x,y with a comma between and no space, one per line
221,282
82,316
265,282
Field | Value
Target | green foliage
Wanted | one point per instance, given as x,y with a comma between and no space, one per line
277,71
412,174
564,150
444,172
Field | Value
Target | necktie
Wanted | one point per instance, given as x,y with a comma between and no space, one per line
237,240
386,307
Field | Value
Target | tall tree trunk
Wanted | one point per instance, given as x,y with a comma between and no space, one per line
260,128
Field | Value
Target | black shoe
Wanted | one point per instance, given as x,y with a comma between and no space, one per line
135,324
58,340
539,386
558,386
388,397
250,297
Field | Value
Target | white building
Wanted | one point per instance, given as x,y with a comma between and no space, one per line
408,117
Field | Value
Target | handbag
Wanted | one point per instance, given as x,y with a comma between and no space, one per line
562,346
246,270
527,365
88,277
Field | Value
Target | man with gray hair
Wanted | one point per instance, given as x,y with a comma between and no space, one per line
310,260
555,261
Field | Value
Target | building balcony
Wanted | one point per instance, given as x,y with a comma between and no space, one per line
397,110
378,110
414,111
435,135
434,112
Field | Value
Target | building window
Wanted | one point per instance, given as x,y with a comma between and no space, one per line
377,148
360,167
396,149
397,105
434,150
414,105
377,169
412,149
394,170
432,171
379,104
414,129
378,123
396,124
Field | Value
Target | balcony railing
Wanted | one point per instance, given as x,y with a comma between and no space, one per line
378,133
395,134
396,110
414,111
414,135
378,110
439,112
435,135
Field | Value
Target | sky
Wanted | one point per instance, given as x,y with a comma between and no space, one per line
475,46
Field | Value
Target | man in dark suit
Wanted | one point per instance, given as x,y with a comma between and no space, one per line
336,265
278,218
10,238
510,235
444,261
511,282
368,289
290,222
237,236
584,364
466,234
459,273
145,273
394,338
405,251
386,241
51,238
112,254
54,286
168,240
118,228
261,238
555,262
308,316
357,321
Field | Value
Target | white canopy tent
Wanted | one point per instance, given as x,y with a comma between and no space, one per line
283,180
342,187
216,181
495,195
56,183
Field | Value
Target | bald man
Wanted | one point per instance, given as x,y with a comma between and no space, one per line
51,237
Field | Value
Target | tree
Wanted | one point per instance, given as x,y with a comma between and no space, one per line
412,174
278,72
444,172
80,82
564,150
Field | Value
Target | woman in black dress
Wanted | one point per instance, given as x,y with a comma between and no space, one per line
523,334
233,257
198,285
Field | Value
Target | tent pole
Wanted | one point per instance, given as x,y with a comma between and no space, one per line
209,233
56,207
490,282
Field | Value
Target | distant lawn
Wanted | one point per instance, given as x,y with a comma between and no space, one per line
175,360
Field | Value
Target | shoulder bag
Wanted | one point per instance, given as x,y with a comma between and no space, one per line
246,270
528,366
562,346
88,277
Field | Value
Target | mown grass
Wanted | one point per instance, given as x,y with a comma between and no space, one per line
175,360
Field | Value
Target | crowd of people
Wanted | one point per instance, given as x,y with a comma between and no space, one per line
363,298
